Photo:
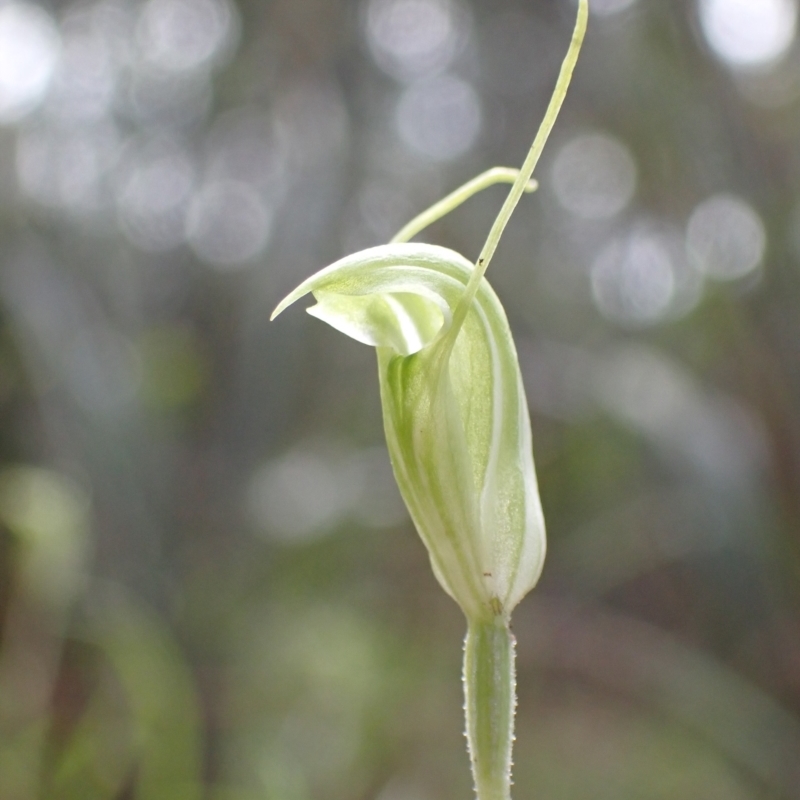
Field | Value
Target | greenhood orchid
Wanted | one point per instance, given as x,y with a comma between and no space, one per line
457,429
454,412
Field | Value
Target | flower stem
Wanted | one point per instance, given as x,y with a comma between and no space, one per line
490,701
457,197
526,171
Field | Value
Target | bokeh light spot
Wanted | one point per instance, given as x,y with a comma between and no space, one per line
228,224
749,33
719,437
181,35
725,237
643,277
439,118
244,145
304,494
154,194
29,51
379,504
84,83
413,38
67,170
594,176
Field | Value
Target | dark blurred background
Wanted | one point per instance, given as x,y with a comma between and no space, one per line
209,587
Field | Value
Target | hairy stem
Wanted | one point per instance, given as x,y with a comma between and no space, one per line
490,700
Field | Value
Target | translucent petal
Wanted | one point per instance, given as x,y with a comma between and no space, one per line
455,414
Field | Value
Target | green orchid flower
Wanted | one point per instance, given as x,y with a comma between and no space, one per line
457,429
454,411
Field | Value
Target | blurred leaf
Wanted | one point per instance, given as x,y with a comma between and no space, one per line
49,515
20,762
159,689
99,756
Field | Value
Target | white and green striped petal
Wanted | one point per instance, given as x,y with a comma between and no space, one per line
454,412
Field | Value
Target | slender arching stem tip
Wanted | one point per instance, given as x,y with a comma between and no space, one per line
520,184
457,197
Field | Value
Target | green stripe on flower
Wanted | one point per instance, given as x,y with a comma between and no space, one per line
454,412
